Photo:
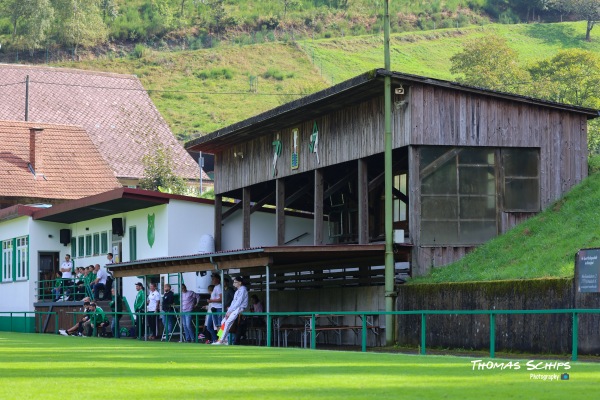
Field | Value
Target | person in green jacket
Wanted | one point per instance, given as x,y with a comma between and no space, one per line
139,307
97,318
114,326
57,286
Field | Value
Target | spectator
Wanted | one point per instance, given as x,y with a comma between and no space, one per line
153,306
109,259
205,332
189,299
228,293
57,289
138,306
238,305
168,299
215,306
96,319
114,326
67,274
100,282
77,329
256,306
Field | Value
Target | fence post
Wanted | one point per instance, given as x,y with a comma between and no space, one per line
269,321
11,325
575,334
423,327
492,335
313,337
364,332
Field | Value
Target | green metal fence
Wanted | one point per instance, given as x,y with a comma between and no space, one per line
24,321
312,327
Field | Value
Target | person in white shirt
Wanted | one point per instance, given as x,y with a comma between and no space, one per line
153,307
67,274
215,306
100,282
109,258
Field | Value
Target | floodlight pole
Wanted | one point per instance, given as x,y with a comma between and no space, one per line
390,295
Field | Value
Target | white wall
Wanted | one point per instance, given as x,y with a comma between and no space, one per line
188,222
262,231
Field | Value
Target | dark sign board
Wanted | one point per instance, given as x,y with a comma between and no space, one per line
587,270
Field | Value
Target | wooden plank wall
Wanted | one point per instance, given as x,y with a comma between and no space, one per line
347,134
441,116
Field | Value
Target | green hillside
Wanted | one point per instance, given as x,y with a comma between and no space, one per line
199,91
543,246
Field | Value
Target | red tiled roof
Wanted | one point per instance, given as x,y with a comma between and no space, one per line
70,167
114,109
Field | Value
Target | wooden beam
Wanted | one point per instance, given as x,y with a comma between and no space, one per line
438,162
246,217
336,187
258,205
280,211
297,194
398,194
234,208
218,221
162,269
318,208
378,180
363,202
246,263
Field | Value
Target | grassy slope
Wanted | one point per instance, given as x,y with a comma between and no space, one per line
424,53
55,367
544,246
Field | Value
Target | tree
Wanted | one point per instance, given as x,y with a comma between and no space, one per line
585,9
488,63
159,171
30,20
79,23
573,77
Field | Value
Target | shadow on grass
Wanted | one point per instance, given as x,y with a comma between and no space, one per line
558,34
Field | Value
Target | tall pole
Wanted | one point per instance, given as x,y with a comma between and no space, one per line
389,216
27,98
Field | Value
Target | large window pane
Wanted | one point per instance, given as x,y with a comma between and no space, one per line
439,232
522,194
520,162
475,180
478,208
442,181
476,156
439,207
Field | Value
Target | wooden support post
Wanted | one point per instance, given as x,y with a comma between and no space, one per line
363,203
318,207
218,220
279,211
246,218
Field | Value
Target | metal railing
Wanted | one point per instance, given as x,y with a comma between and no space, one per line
45,289
22,315
312,328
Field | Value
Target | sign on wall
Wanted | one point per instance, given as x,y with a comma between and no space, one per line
587,270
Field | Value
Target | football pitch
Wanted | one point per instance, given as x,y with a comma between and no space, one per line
34,366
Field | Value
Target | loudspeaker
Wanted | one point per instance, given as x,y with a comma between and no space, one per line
117,226
65,236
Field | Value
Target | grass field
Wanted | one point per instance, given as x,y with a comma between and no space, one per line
34,366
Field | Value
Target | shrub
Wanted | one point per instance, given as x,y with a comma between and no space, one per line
215,73
140,51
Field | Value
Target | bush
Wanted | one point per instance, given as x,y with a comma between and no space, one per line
215,73
140,51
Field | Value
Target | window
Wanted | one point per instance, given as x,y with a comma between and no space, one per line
88,245
22,270
132,243
73,248
7,260
521,180
81,247
459,191
96,239
104,242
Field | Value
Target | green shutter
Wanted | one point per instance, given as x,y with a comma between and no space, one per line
28,257
73,248
14,263
132,243
88,245
96,244
104,242
81,247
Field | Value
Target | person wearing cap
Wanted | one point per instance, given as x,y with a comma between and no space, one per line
77,329
213,320
138,306
238,305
